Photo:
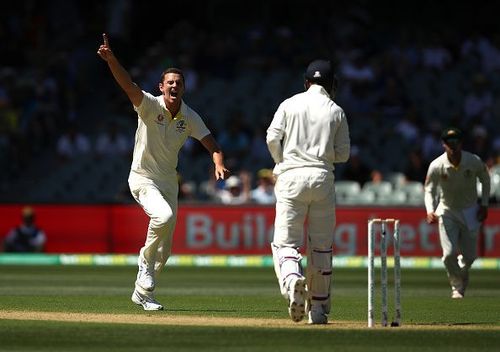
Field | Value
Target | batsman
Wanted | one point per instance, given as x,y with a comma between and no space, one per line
307,136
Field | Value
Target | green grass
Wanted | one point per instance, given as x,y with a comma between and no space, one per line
431,320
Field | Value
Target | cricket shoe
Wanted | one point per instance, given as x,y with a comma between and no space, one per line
456,294
317,315
145,276
297,299
146,301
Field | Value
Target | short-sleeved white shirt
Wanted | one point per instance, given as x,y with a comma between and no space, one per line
159,137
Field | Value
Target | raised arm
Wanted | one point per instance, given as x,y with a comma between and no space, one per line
217,156
121,75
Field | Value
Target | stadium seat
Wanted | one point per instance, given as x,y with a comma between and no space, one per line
379,188
396,178
347,191
414,187
495,182
396,197
366,197
414,192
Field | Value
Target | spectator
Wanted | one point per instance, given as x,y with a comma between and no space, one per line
72,143
235,191
26,237
187,189
112,142
376,177
435,55
235,141
264,192
259,156
407,127
416,170
357,68
478,104
356,169
480,145
393,104
488,51
431,143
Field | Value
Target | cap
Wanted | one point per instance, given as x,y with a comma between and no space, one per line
319,70
232,181
451,133
265,173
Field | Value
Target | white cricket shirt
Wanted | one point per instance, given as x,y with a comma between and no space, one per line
159,137
456,187
308,130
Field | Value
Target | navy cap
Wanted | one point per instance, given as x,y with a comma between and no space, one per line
319,71
451,133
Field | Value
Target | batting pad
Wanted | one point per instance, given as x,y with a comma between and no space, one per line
286,266
320,270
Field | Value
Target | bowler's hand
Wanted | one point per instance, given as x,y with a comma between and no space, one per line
221,173
482,213
432,218
104,50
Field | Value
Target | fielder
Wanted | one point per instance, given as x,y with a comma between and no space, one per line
308,134
164,123
452,180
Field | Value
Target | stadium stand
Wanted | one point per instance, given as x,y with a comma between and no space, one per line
395,86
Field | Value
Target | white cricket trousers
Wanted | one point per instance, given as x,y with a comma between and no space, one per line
159,201
305,197
457,239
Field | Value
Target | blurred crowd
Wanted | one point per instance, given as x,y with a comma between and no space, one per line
400,86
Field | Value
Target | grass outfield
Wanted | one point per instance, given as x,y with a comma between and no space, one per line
88,308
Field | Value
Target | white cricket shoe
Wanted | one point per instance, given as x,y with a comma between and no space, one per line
317,315
297,299
456,294
145,276
147,302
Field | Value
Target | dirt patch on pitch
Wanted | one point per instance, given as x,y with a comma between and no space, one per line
164,318
156,318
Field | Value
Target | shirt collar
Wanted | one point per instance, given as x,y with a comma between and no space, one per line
182,110
316,88
448,164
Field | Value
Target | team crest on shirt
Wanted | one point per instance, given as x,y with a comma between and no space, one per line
468,173
160,119
180,126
